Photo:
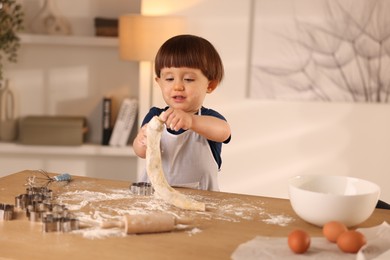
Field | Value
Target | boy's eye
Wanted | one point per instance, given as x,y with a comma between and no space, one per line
189,79
168,79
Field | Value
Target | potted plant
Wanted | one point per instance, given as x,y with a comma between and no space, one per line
11,22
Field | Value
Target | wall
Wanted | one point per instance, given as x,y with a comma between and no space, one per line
71,79
274,140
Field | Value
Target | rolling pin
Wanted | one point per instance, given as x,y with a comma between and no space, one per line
152,223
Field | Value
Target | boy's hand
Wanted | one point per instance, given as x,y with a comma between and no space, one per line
139,143
141,136
177,119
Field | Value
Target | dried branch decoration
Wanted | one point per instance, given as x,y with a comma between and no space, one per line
343,57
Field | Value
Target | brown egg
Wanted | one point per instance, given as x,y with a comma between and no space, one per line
333,229
298,241
351,241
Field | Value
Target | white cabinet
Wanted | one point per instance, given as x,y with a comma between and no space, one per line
69,75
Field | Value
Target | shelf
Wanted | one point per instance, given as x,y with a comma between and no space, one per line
83,150
71,40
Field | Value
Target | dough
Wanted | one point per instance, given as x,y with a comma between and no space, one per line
156,174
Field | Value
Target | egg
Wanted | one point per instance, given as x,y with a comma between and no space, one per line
333,229
298,241
351,241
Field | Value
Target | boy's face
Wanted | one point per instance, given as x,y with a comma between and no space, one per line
184,88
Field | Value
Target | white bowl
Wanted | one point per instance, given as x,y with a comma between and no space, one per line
319,199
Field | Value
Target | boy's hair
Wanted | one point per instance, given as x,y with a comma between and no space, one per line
192,52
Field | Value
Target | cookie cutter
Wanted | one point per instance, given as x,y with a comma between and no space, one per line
57,222
39,207
42,191
36,211
142,188
32,196
6,211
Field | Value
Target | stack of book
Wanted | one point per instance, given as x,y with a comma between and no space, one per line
107,27
124,123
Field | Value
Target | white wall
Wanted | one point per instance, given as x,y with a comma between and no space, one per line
274,140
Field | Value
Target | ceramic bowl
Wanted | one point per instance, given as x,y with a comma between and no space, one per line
319,199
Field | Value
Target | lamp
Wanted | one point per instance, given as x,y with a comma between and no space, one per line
140,37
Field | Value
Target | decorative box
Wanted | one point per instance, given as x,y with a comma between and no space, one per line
52,130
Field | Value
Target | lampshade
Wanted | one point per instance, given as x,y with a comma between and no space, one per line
141,36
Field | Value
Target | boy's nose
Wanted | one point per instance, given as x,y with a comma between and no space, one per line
178,86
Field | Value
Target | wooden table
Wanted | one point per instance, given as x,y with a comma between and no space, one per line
230,220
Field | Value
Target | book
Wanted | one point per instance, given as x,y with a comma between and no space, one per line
124,122
106,120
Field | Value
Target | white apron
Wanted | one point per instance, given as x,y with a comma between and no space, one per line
187,161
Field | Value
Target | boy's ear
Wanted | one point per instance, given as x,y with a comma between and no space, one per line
212,85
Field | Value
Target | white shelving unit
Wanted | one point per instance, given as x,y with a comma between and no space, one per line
94,55
88,41
83,150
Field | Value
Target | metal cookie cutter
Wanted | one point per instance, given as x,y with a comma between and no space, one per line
142,188
57,222
42,192
36,210
21,201
6,211
33,196
35,199
39,207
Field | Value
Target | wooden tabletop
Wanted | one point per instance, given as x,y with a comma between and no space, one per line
230,220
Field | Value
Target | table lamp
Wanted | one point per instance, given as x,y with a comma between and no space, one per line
141,36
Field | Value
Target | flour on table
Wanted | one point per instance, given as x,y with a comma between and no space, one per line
94,204
280,220
99,233
194,231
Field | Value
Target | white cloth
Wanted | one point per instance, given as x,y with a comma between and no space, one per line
377,247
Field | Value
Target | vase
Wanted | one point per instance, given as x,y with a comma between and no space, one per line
8,122
50,21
